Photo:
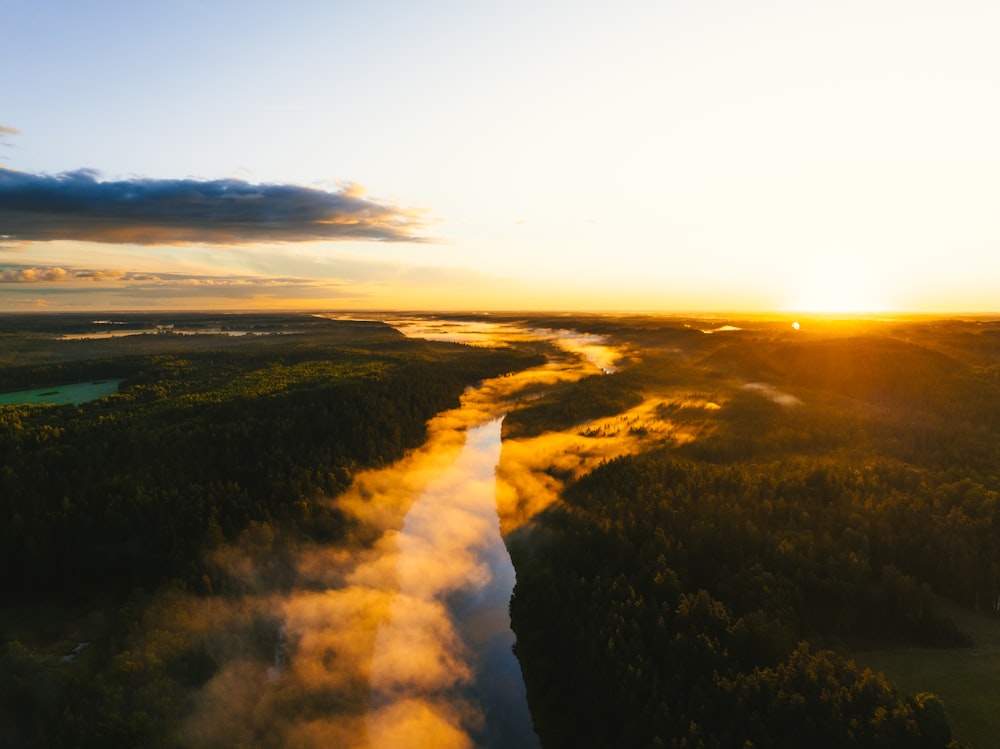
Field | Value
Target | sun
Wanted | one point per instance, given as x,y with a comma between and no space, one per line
835,287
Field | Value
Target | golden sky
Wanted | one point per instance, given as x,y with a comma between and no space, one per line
715,156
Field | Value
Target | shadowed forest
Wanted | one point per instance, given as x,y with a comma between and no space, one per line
713,540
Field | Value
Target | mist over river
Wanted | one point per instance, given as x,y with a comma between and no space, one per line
455,583
442,670
402,638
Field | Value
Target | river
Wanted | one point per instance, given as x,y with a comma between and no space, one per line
443,672
402,637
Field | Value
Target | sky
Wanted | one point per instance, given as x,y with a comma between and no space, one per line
632,156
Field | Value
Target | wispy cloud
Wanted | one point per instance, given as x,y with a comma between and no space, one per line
34,274
4,132
78,206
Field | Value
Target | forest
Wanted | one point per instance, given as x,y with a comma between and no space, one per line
785,501
211,440
835,491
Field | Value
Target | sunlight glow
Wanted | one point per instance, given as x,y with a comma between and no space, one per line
837,287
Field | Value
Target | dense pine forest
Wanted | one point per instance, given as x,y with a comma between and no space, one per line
835,488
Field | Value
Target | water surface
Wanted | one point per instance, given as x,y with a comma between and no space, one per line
75,393
443,659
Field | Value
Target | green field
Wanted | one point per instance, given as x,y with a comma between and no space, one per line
966,679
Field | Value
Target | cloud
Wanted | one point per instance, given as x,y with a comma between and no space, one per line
4,132
55,274
78,206
23,274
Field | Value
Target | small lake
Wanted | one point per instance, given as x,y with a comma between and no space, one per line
59,395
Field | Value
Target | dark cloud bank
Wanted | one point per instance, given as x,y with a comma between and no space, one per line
77,206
